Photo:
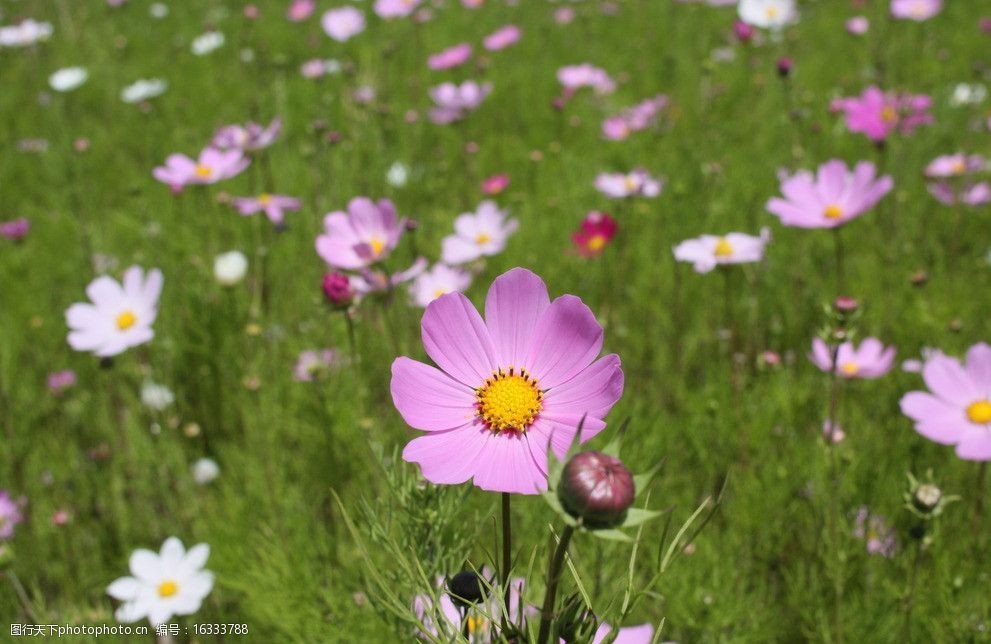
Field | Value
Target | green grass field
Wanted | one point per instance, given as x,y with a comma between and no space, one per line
698,396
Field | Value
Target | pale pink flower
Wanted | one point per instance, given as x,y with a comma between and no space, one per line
455,101
450,57
274,206
574,77
830,198
59,381
370,280
362,236
637,183
708,251
300,10
395,8
212,166
120,316
312,363
343,23
437,281
870,360
633,119
858,25
15,229
917,10
955,165
495,184
875,531
248,137
480,234
502,38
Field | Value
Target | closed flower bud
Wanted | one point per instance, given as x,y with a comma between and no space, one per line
784,67
597,489
845,304
466,588
927,496
337,289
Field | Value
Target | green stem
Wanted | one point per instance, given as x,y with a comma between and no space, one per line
507,548
553,577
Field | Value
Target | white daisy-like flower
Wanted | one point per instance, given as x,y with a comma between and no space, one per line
768,14
205,43
230,268
143,89
171,582
68,79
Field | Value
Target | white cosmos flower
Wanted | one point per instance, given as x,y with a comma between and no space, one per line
964,94
205,43
440,279
24,34
230,268
68,79
156,396
143,89
768,14
171,582
205,471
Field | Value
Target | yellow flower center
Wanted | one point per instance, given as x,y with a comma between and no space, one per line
203,171
849,368
476,624
630,183
958,167
596,242
377,246
264,198
889,114
772,11
723,248
483,238
126,320
833,211
167,589
509,401
980,412
437,293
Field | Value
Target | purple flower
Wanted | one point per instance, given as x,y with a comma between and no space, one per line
439,280
830,198
363,235
15,229
633,119
395,8
917,10
877,114
312,363
274,206
450,57
502,38
59,381
248,137
455,101
343,23
875,531
870,360
10,515
574,77
212,166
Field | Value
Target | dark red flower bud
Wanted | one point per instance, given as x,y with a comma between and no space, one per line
337,288
597,489
845,304
466,588
784,67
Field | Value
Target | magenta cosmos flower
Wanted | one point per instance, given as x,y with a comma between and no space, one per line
502,38
343,23
917,10
877,114
508,387
958,411
450,57
708,251
248,137
212,166
831,197
120,316
15,229
870,360
363,235
274,206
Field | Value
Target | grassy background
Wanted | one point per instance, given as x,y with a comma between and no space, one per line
285,564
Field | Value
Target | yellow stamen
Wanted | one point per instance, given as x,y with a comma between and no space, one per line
833,211
437,293
509,401
958,167
723,248
772,11
264,198
630,184
980,412
476,624
850,368
167,589
483,238
204,171
596,242
377,246
126,320
889,114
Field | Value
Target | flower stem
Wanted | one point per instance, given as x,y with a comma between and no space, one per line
910,599
507,549
838,248
553,577
834,491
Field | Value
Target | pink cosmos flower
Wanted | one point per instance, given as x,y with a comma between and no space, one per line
495,184
596,231
502,38
870,360
395,8
274,206
638,117
970,194
831,435
877,114
300,10
858,25
120,316
363,235
455,101
708,251
564,15
917,10
343,23
59,381
314,68
10,515
375,281
875,531
312,363
830,198
15,229
574,77
212,166
636,183
450,57
508,387
958,411
955,165
955,186
480,234
439,280
248,137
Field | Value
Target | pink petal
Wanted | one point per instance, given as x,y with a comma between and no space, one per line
429,399
946,378
448,457
567,339
975,445
507,464
593,391
979,366
515,302
456,339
